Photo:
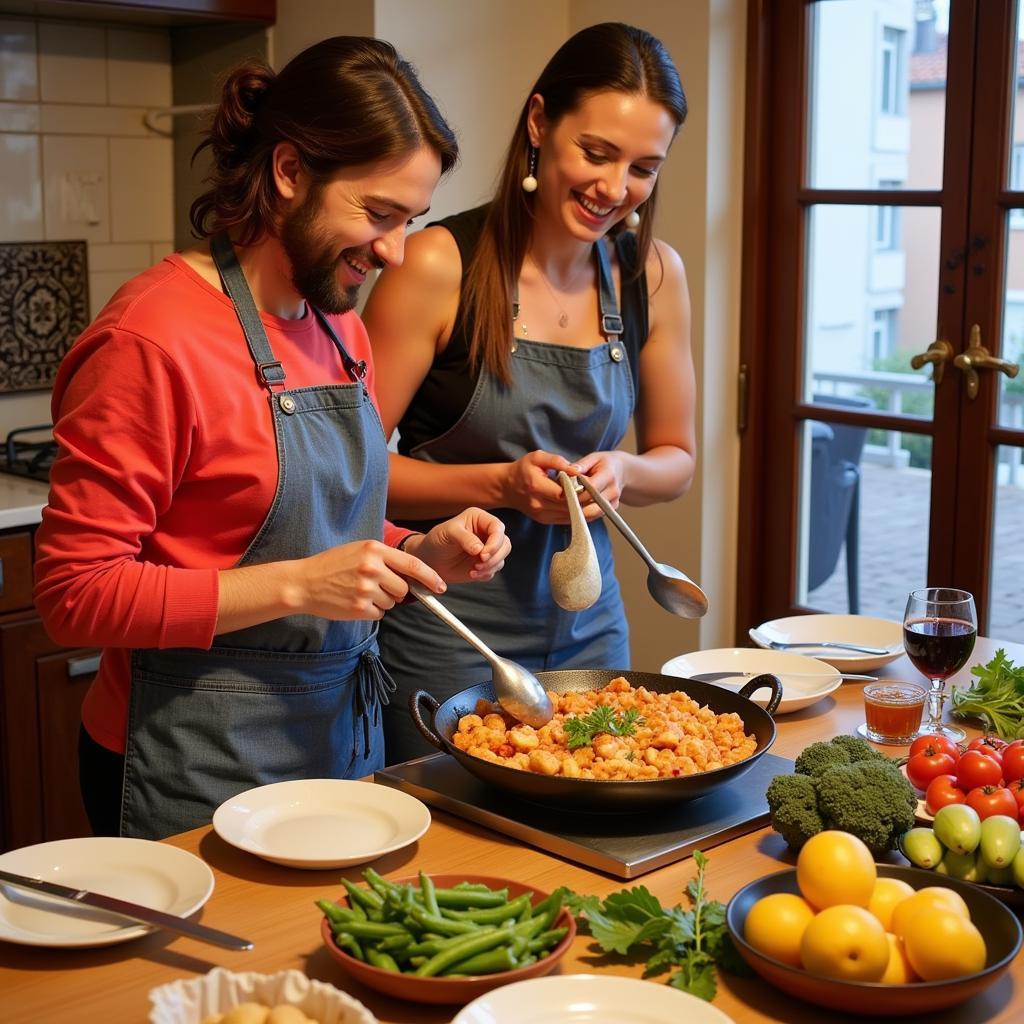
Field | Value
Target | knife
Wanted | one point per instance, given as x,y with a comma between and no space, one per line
713,677
779,645
135,911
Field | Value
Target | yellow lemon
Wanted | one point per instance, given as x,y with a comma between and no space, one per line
941,944
845,942
775,925
899,971
884,897
835,867
923,899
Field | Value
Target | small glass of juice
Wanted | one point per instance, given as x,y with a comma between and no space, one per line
893,711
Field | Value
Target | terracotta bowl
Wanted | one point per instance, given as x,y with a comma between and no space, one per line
998,926
450,990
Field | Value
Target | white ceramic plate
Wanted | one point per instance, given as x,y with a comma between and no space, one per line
153,874
804,680
854,629
321,823
589,999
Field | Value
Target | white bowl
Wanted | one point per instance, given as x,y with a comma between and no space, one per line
321,823
805,681
189,1001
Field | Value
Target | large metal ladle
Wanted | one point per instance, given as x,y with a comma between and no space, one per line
672,589
517,690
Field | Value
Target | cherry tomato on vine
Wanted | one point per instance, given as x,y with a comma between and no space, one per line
943,791
989,800
977,769
942,743
925,766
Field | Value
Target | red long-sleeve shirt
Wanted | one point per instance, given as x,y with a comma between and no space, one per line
167,468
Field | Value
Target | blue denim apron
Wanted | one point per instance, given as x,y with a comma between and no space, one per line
562,399
297,697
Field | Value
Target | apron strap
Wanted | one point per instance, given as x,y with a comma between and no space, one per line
355,368
608,304
373,688
269,370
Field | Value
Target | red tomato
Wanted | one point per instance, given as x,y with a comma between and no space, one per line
942,791
923,767
991,745
989,800
1017,789
1013,761
977,769
937,742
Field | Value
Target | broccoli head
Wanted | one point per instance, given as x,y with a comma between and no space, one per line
793,802
839,750
869,799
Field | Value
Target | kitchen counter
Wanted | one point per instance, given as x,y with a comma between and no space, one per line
21,501
273,906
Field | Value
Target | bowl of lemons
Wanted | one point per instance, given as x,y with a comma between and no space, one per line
843,932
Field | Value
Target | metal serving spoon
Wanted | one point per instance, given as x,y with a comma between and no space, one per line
517,690
672,589
575,573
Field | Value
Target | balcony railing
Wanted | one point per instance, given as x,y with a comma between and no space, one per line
895,386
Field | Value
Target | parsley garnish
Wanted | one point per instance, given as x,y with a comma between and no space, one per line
633,922
997,697
580,731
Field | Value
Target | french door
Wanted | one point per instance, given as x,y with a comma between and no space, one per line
883,320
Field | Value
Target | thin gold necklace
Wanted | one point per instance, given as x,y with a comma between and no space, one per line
563,317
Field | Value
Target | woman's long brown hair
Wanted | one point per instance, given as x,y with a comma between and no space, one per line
610,56
342,102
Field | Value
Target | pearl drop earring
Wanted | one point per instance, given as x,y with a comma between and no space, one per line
530,181
632,219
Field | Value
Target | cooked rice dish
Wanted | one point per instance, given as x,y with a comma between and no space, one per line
616,733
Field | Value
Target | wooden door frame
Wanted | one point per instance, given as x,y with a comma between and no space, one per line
775,146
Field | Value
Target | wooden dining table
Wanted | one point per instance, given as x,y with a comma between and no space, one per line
273,906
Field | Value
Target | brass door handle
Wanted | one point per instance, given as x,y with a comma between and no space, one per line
976,358
938,352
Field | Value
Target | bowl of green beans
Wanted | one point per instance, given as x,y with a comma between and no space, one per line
444,938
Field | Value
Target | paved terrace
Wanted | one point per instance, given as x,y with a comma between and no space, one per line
894,509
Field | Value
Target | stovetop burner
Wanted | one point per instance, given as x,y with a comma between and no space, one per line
29,452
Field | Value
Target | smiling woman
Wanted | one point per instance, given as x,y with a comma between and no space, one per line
518,340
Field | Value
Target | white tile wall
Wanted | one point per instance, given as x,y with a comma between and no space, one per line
76,159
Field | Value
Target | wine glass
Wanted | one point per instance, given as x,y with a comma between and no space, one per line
940,626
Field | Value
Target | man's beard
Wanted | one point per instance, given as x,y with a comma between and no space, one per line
313,260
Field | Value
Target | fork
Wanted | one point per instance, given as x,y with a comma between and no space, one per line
779,645
712,677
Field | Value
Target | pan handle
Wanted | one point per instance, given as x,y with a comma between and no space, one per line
422,697
766,679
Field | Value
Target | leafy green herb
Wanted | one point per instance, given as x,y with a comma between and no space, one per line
997,697
633,922
580,731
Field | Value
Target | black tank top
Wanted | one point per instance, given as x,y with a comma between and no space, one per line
446,390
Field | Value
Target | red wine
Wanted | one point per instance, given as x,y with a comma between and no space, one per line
938,647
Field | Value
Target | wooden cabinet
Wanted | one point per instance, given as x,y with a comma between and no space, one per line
42,686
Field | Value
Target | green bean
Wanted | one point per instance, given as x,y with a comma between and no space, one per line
471,945
417,961
333,912
491,962
373,930
429,898
495,915
549,907
440,924
395,942
378,882
529,928
366,898
547,939
349,943
527,960
465,898
472,887
384,961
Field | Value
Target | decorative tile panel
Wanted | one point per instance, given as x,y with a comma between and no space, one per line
44,306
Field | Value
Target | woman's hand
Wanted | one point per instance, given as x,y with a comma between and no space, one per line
607,472
533,490
470,547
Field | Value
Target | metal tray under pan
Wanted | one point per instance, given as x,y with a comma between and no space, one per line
624,845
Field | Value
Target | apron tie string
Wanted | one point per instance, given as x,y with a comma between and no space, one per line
373,689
